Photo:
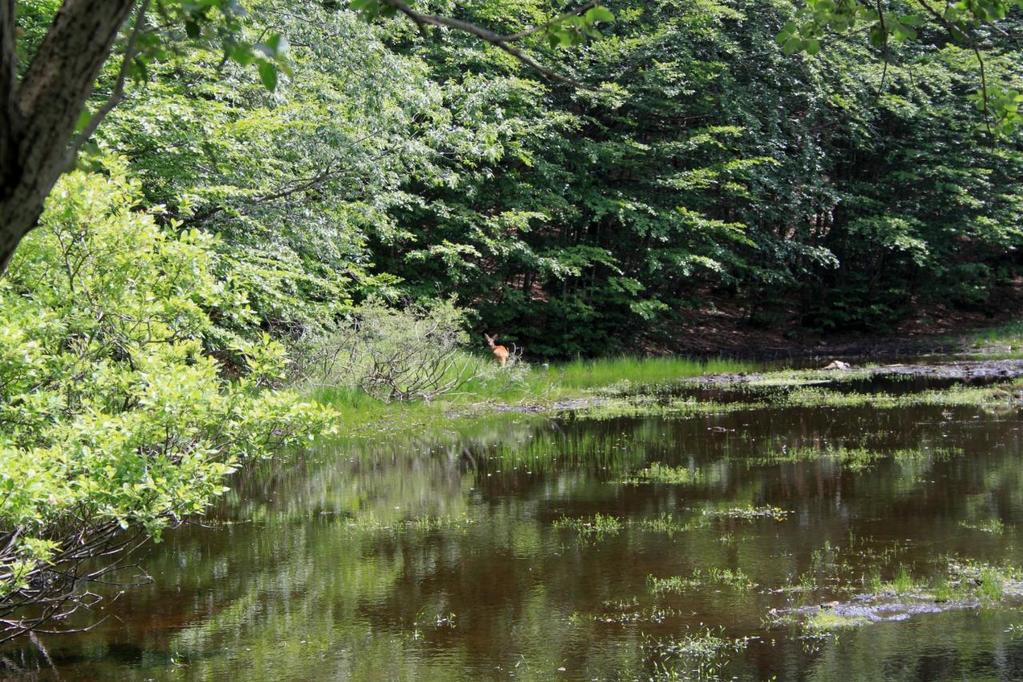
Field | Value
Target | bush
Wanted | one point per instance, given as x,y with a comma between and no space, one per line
394,354
115,419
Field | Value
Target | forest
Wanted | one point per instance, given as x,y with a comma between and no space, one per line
232,228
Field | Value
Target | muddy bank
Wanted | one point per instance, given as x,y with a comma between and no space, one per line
868,608
893,379
966,371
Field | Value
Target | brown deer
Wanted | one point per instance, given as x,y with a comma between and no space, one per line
500,352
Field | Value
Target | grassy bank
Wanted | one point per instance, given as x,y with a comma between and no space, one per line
1005,339
535,386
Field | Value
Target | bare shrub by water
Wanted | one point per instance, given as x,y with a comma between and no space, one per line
395,354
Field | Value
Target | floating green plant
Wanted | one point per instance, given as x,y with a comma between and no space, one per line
992,526
851,458
963,584
829,621
596,525
748,513
422,524
669,524
695,655
723,577
662,473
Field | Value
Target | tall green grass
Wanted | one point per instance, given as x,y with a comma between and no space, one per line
540,383
590,374
1008,334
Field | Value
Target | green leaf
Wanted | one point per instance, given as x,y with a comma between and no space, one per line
599,13
268,74
792,45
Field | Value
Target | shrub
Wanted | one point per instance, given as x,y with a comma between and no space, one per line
115,419
391,353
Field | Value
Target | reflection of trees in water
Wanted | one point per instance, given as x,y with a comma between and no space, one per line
286,585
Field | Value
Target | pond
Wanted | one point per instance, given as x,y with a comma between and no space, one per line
852,542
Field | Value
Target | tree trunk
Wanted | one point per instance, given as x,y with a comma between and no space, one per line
39,113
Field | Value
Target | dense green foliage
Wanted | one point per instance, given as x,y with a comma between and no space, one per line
840,191
114,413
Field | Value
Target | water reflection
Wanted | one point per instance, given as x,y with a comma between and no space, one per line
440,559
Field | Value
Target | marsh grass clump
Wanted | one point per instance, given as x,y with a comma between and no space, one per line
992,526
667,523
1008,336
963,580
959,395
591,526
903,582
941,454
748,513
825,621
628,613
668,475
694,655
420,524
986,582
851,458
963,584
854,459
723,577
648,406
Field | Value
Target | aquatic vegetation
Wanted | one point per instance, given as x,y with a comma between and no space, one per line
963,584
723,577
422,524
596,525
993,526
748,513
669,524
959,395
851,458
829,621
855,459
788,378
937,454
629,615
695,655
661,473
645,406
992,398
903,583
987,582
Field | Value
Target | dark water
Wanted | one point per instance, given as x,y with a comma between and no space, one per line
319,570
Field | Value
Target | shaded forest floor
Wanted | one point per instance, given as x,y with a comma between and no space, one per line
723,328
